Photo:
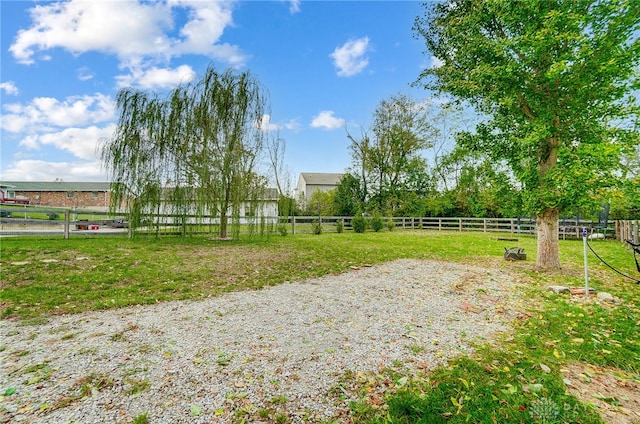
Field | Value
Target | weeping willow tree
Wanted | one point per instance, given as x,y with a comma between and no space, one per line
191,155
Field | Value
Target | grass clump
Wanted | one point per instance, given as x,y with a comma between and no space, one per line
141,419
84,387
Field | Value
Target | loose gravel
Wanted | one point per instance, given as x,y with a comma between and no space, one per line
275,353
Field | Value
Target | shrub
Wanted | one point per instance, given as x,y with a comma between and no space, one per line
282,229
339,226
376,222
316,227
391,225
359,223
52,216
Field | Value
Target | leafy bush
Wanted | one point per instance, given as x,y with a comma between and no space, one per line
316,227
282,229
376,222
52,216
358,223
339,226
391,225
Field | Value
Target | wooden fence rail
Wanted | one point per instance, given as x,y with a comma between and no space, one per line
43,221
628,230
568,228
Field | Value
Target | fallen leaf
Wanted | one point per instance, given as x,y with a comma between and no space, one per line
196,411
535,388
467,307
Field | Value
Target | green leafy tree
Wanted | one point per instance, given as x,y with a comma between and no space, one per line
191,153
321,203
360,159
555,79
625,200
287,206
348,196
401,132
389,162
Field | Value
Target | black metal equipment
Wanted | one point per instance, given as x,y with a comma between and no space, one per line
515,254
636,252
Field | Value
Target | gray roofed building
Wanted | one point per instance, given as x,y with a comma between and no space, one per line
309,182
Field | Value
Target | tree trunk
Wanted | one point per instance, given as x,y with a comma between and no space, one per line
547,229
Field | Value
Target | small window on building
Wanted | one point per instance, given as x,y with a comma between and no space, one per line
69,194
95,194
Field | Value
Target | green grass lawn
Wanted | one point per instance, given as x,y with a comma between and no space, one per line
521,378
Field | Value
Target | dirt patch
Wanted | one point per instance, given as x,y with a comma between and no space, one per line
233,264
614,392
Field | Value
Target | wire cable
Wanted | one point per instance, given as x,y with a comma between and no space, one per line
635,280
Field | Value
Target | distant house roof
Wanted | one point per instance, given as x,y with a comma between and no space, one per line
55,186
318,178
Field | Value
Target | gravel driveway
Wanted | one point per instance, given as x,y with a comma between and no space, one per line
272,355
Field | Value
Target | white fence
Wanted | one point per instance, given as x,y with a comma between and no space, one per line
568,228
42,221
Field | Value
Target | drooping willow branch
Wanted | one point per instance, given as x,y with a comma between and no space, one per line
192,153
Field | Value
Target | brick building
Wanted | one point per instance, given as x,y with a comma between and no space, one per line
61,194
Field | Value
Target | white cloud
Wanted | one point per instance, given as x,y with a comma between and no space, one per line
435,63
350,58
292,125
46,112
39,170
82,26
128,29
80,142
266,125
294,6
84,74
10,88
326,120
207,21
156,78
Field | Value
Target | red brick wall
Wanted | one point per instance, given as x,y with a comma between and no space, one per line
78,199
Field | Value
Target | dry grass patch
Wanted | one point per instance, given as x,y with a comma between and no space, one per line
614,392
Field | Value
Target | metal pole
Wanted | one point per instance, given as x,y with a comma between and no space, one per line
586,265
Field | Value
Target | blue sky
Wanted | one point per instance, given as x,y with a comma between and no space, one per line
325,64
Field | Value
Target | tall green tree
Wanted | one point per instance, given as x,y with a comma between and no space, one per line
191,154
555,78
390,160
348,196
360,159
